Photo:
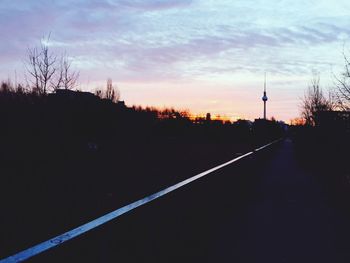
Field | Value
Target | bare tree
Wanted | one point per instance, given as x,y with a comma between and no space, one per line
41,66
6,87
69,77
57,79
342,91
111,93
47,70
99,93
314,102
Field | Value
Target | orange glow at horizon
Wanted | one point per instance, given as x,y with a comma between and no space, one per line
222,101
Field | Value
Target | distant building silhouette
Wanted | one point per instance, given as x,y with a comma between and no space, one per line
67,94
81,96
208,117
121,103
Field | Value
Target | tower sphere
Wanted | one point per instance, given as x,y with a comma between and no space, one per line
264,98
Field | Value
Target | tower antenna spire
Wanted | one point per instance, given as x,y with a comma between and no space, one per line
264,98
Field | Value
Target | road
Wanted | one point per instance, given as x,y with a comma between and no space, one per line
266,208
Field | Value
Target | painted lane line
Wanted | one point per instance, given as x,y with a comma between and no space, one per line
46,245
267,145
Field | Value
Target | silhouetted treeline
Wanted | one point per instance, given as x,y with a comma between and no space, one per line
324,147
323,136
75,135
72,122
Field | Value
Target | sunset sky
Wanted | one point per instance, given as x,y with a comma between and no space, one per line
201,55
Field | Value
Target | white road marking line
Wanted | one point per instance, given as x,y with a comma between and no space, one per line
46,245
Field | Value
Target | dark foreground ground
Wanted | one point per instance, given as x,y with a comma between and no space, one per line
266,208
43,196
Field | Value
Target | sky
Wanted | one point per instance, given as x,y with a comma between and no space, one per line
200,55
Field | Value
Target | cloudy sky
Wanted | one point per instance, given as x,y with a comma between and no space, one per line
202,55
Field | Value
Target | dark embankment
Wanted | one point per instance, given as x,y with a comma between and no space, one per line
325,151
69,157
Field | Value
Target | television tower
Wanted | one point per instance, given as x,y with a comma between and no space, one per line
264,98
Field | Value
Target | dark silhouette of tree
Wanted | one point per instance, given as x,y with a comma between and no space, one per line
99,93
6,87
111,93
41,66
69,77
342,90
49,71
314,102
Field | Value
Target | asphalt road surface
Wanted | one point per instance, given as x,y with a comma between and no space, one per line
265,208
